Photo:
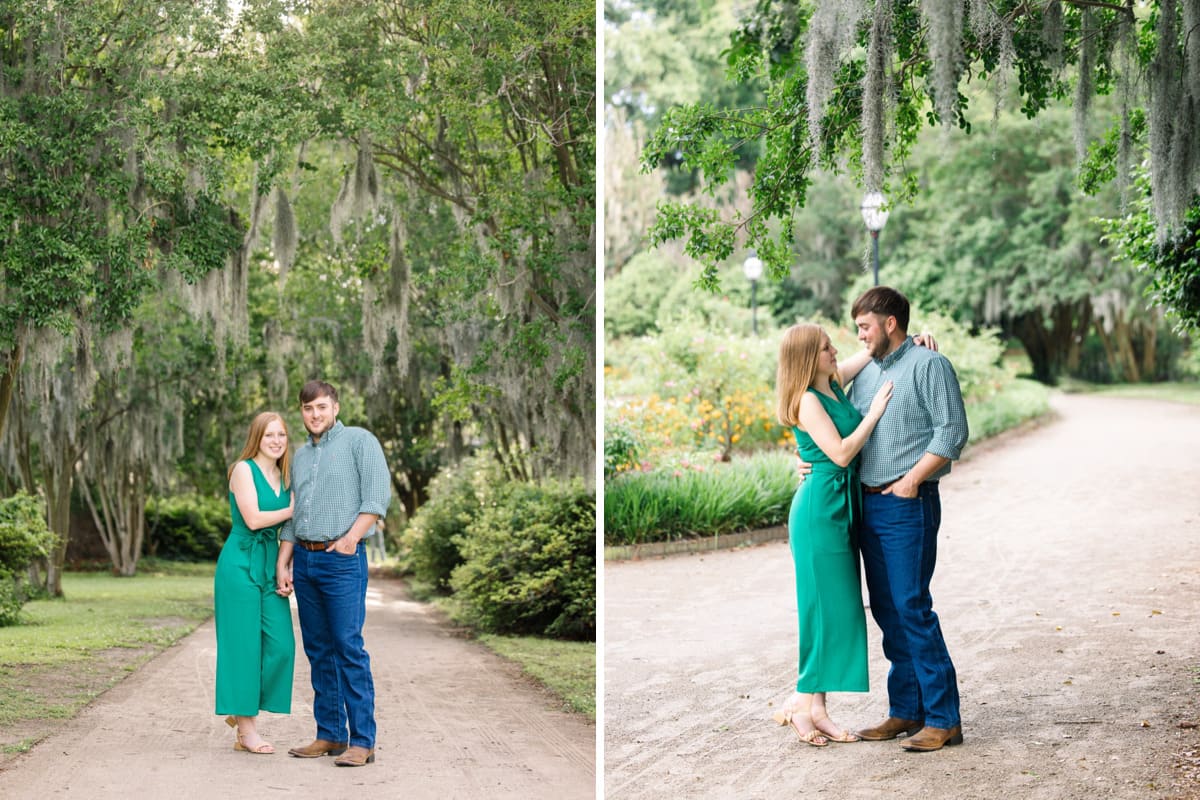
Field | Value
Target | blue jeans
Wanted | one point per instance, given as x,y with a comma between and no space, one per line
331,594
899,548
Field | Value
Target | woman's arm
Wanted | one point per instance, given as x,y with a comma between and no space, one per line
241,483
814,419
852,366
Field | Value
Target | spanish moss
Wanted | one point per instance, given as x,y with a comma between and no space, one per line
830,34
285,238
944,21
877,91
359,195
1169,186
1086,81
1052,34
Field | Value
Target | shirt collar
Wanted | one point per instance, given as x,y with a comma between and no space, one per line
894,356
329,434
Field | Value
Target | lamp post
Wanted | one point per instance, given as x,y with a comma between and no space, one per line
876,217
753,268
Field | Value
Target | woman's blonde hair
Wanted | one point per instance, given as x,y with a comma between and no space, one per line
799,354
258,428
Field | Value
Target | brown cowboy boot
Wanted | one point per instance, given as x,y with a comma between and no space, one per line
930,739
890,728
318,748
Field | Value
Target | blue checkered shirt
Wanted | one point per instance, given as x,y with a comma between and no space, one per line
334,480
925,413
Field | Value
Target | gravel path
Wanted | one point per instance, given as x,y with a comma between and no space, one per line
455,721
1068,586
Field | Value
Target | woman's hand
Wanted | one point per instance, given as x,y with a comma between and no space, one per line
925,339
283,579
880,401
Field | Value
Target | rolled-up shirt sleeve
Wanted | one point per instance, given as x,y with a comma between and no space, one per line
287,532
374,478
942,397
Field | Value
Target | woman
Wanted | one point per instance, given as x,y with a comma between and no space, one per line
829,432
255,644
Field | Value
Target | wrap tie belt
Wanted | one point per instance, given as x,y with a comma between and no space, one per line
845,483
254,544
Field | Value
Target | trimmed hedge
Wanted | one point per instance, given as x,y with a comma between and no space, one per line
529,562
187,527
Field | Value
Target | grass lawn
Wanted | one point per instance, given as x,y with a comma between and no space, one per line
1174,392
73,648
566,668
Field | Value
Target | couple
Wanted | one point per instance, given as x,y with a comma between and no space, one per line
905,415
298,526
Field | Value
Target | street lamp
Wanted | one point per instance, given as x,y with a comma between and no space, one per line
753,268
876,217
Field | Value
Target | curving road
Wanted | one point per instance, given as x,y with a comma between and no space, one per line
1068,586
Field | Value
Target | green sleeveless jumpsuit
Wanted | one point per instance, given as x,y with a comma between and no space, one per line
821,530
256,648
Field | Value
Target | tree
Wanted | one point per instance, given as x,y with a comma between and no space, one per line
492,124
113,175
1001,235
850,86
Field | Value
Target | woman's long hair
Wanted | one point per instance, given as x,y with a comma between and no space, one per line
798,358
258,427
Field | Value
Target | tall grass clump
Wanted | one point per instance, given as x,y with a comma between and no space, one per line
752,492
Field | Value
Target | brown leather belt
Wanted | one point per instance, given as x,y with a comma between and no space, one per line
314,546
874,489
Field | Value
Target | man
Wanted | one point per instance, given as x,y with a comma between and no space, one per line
342,487
923,429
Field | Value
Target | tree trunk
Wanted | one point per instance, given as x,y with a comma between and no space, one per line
1030,329
119,515
1150,349
8,381
1110,352
1123,336
1082,326
58,473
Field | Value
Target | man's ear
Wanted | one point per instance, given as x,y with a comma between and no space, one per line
890,325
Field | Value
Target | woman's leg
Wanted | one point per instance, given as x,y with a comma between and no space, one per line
821,721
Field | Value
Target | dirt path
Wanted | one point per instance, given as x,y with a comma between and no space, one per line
455,721
1068,586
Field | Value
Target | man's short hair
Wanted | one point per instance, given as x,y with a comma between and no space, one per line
314,389
883,300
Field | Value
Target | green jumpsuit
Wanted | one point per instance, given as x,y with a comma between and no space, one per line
256,649
821,531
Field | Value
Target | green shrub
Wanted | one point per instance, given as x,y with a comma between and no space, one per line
187,527
621,448
1018,400
24,538
530,562
430,543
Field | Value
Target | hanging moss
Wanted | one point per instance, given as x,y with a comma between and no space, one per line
1168,186
877,90
359,195
285,238
1127,81
830,33
944,21
1085,84
1052,34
